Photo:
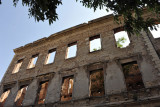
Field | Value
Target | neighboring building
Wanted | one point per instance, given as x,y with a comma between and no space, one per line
83,67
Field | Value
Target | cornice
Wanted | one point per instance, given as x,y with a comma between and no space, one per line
45,39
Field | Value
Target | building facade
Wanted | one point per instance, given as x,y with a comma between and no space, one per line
67,69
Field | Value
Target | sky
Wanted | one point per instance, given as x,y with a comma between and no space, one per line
125,35
155,33
17,29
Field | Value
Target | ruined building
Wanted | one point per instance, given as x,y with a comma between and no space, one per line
66,69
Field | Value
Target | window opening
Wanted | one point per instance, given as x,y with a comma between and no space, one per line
51,56
95,43
71,50
33,61
132,76
20,95
4,97
121,37
42,91
155,32
17,66
67,88
97,83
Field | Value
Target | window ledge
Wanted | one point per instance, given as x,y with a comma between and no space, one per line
141,89
97,96
30,68
66,101
14,73
96,51
157,38
48,64
124,47
71,58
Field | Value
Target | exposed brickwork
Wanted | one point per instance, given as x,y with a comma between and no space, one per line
110,59
152,52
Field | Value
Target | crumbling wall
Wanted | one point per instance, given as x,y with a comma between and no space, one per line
114,79
109,59
11,97
155,42
54,89
81,84
31,93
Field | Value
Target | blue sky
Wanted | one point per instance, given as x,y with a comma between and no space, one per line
17,29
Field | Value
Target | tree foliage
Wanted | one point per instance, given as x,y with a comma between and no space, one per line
96,49
42,9
120,42
131,11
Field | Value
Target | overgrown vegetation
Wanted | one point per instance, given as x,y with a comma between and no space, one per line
131,12
96,49
120,42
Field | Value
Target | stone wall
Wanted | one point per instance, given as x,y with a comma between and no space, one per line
110,58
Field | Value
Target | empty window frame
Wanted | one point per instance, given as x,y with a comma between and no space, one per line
95,43
133,77
155,33
121,37
97,83
20,95
17,66
67,87
51,56
33,61
71,50
4,97
42,91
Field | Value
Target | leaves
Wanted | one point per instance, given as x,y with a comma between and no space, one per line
131,11
96,49
120,42
42,10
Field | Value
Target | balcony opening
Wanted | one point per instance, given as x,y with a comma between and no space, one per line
67,87
133,77
155,32
121,37
4,97
95,43
51,56
97,83
17,66
33,61
42,91
20,96
71,50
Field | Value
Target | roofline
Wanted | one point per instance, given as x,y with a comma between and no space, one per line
63,31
